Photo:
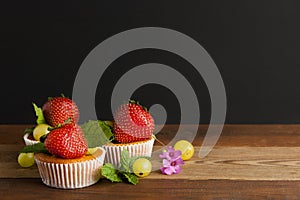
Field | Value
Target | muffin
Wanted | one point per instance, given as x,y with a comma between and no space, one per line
133,129
139,148
29,140
64,158
34,135
70,173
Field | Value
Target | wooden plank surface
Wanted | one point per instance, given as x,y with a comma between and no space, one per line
248,162
155,189
229,163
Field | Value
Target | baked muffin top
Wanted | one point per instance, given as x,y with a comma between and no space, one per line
53,159
126,144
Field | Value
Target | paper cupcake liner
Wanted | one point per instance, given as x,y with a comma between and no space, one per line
71,175
113,151
29,141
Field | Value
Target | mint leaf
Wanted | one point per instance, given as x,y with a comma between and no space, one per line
39,113
109,123
106,128
96,134
36,148
131,178
123,173
125,161
29,130
109,172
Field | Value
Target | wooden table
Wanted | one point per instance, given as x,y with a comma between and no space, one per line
248,162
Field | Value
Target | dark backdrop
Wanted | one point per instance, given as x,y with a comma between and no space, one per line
255,44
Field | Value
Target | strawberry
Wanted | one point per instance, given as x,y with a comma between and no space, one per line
66,142
132,123
59,109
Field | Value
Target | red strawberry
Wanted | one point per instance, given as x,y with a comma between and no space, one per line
59,109
132,123
66,142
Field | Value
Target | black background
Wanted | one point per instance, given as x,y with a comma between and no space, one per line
255,44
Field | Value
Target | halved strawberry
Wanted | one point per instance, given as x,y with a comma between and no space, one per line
59,109
66,142
132,123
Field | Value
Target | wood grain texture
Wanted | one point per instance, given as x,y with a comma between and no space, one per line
248,162
154,189
242,163
229,163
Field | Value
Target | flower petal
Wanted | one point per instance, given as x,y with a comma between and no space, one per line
165,171
179,161
177,169
169,170
170,149
163,155
177,153
166,163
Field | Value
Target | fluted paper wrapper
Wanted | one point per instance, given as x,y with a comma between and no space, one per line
113,151
71,175
29,141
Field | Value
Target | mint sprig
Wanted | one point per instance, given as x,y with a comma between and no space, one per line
35,148
109,171
96,133
131,178
106,127
39,114
125,161
124,171
29,130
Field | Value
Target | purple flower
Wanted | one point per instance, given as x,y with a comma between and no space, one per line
171,161
170,154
